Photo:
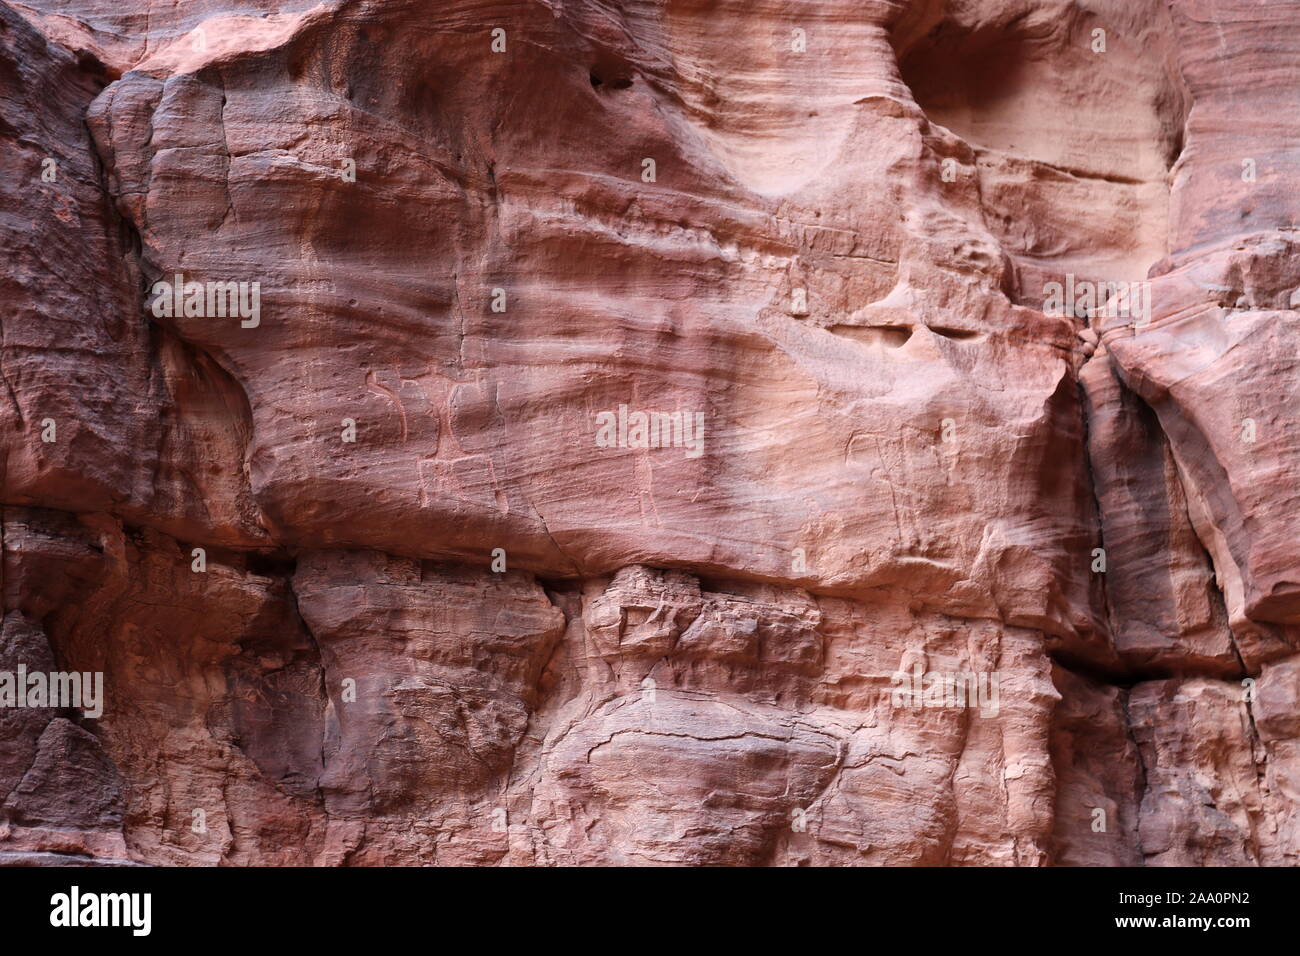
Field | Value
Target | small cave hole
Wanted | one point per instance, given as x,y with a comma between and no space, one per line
616,82
960,335
888,336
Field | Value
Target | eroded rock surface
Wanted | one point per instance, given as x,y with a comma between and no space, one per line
647,433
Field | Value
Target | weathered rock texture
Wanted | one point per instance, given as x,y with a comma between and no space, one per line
482,632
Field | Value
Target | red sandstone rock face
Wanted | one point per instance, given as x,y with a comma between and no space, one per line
379,572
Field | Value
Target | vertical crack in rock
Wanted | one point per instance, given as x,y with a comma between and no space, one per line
1144,778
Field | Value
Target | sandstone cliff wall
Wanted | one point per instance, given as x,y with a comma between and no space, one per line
381,567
